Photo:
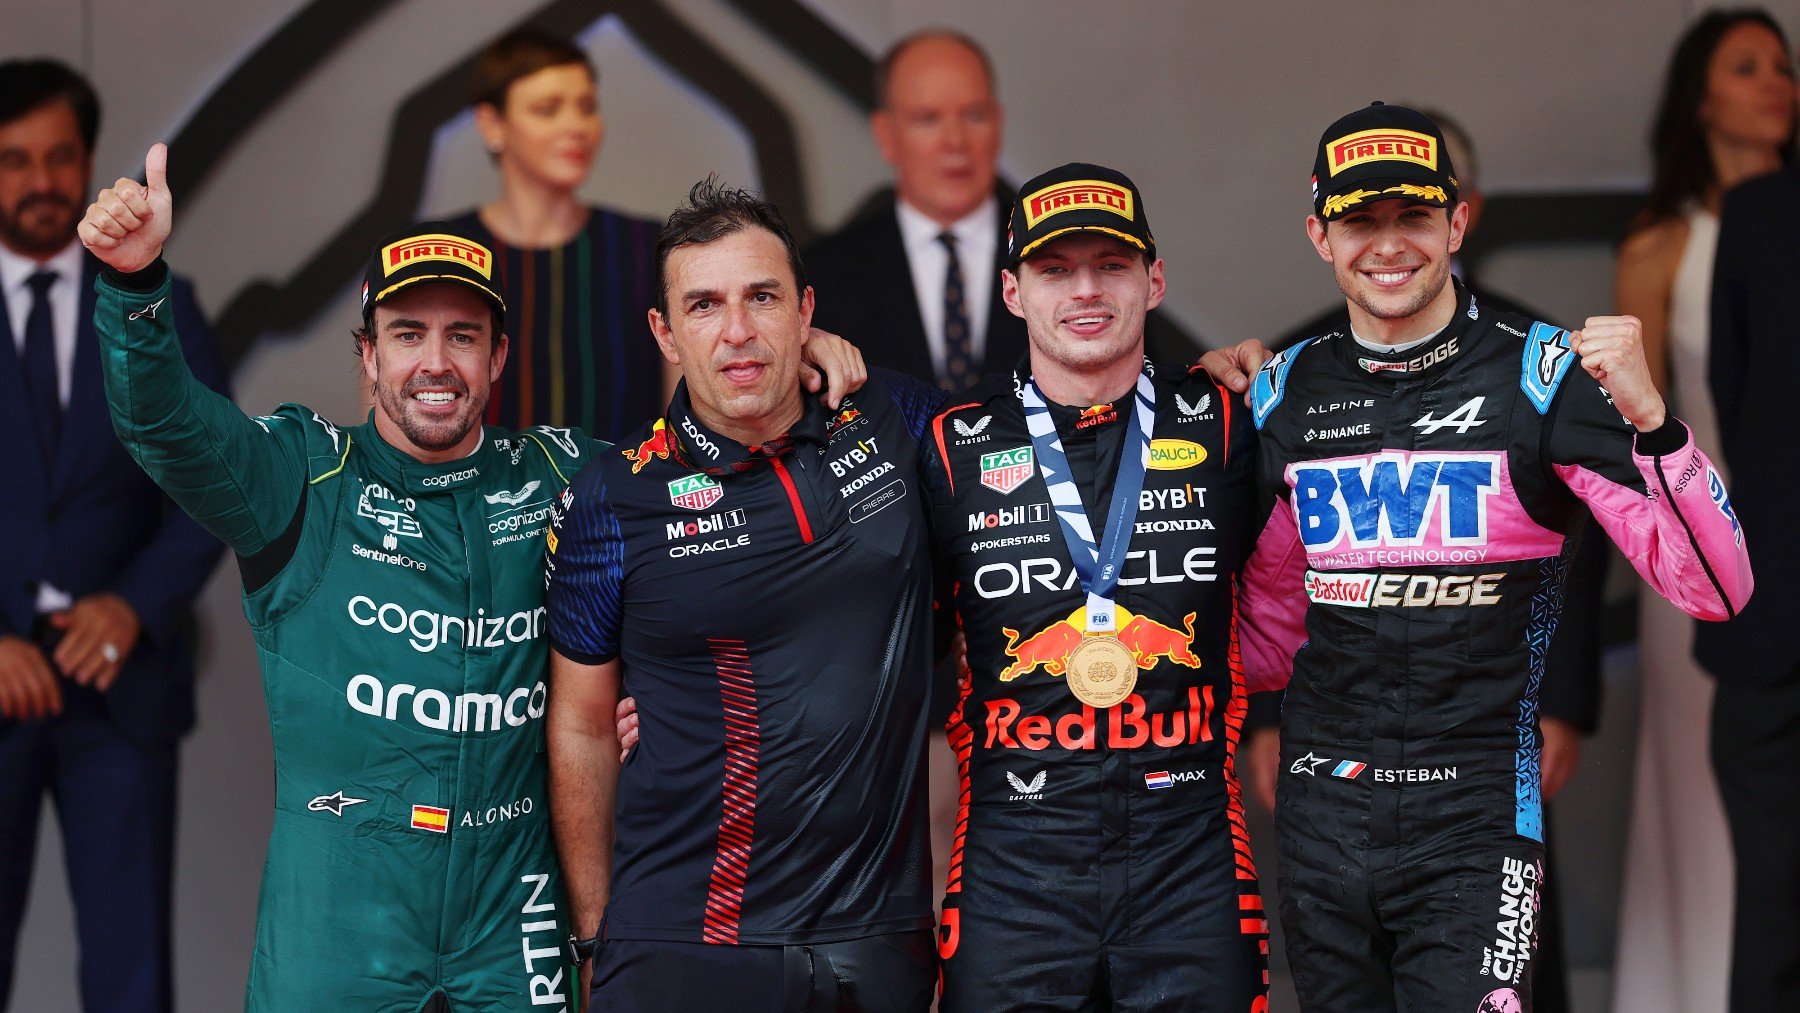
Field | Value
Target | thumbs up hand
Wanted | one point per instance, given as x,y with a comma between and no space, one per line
128,223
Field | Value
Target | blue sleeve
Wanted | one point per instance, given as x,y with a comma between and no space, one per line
917,400
162,580
584,566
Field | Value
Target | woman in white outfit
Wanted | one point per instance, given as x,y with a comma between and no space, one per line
1727,114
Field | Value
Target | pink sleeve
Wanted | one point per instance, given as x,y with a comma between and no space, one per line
1682,537
1272,603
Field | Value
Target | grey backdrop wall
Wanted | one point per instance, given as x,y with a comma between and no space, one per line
1212,108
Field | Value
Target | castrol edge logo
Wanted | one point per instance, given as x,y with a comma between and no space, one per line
436,246
1385,144
1081,193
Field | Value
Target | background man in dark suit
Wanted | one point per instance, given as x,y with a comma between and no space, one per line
97,572
914,282
1756,656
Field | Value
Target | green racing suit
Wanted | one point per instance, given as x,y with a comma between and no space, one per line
398,614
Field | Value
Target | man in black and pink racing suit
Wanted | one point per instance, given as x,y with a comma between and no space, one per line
1427,468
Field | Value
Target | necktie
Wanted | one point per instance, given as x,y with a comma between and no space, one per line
959,354
40,365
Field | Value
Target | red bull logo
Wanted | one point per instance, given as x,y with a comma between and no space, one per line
1098,415
661,441
1130,725
1146,639
842,419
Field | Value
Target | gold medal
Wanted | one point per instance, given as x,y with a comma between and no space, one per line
1102,671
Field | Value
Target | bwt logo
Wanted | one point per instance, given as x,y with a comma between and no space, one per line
1392,499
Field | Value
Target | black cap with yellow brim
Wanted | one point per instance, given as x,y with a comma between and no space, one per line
1077,197
430,251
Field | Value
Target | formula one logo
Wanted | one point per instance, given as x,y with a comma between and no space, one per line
1006,470
1146,639
655,447
1395,498
695,492
1080,194
436,246
334,803
1175,455
1383,144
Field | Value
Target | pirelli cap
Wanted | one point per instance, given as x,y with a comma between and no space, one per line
1077,197
1381,152
430,251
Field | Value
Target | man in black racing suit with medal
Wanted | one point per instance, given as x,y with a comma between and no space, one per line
1092,513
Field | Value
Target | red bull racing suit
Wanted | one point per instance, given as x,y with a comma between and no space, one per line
1100,855
1423,503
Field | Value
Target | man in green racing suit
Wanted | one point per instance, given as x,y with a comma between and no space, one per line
393,578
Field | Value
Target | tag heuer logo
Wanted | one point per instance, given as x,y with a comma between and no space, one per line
1006,470
695,492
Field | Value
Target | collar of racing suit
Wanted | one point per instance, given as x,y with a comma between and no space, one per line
400,470
1417,360
702,449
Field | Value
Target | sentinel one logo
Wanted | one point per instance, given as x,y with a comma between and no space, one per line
1394,498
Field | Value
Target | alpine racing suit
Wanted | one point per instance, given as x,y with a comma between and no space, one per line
1100,858
1423,503
398,613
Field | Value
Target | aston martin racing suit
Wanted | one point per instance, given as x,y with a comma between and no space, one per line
1100,855
398,612
1423,503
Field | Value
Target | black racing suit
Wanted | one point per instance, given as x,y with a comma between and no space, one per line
771,613
1423,503
1100,857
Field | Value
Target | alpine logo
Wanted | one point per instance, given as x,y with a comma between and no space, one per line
334,803
1462,420
1006,470
695,492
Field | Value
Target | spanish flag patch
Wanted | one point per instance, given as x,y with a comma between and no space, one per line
428,817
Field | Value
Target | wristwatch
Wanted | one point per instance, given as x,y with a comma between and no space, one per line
582,950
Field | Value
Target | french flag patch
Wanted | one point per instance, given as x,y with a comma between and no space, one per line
1158,779
1349,768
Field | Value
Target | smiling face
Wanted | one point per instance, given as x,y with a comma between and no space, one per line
44,169
433,358
735,325
1391,258
1749,88
1084,298
549,128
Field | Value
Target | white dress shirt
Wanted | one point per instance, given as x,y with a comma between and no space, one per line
65,305
977,242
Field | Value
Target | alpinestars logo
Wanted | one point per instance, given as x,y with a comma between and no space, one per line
148,311
1308,764
1197,410
967,435
1027,791
334,803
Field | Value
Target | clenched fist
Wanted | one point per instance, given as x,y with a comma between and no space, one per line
1612,351
128,223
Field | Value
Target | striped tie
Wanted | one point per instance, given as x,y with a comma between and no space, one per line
959,354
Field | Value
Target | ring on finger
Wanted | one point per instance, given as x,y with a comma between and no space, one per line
110,652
